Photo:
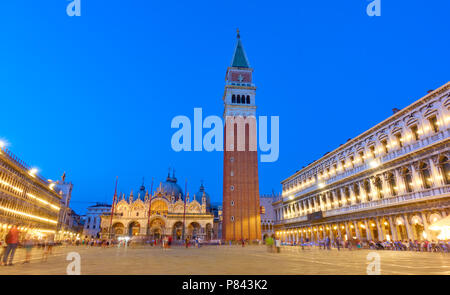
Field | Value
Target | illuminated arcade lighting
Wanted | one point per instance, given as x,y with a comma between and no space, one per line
374,164
33,172
27,215
11,186
43,201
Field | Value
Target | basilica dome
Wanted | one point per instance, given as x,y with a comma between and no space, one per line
170,187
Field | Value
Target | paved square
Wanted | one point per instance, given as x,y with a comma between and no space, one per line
217,260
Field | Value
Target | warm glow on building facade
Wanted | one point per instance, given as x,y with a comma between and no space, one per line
389,183
166,212
26,199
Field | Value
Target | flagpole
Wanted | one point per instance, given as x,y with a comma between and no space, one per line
112,208
184,210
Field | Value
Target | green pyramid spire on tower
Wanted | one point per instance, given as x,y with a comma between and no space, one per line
239,58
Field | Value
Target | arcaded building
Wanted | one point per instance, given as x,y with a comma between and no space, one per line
389,183
26,199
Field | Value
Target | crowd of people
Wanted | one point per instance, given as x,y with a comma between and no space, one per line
399,245
12,242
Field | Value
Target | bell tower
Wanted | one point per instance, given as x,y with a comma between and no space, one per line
241,209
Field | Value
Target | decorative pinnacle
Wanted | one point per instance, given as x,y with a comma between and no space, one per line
238,35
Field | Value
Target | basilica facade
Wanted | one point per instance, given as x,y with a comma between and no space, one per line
389,183
166,212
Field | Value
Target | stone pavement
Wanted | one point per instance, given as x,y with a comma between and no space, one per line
222,260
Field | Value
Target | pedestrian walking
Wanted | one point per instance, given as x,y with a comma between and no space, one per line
48,247
12,239
169,242
278,244
28,245
349,245
269,243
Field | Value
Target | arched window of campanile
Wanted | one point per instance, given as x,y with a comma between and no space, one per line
426,175
233,98
248,99
408,180
445,168
238,99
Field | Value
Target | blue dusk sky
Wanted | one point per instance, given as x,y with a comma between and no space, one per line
95,95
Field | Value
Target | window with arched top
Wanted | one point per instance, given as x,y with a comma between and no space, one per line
407,178
415,132
425,175
233,98
384,144
367,189
379,186
356,192
398,136
339,197
361,156
347,194
445,168
434,124
372,151
248,99
238,99
392,184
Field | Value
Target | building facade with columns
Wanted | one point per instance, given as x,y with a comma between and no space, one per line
267,215
26,199
92,220
163,213
389,183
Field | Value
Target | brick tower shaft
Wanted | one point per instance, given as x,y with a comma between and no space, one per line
241,209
